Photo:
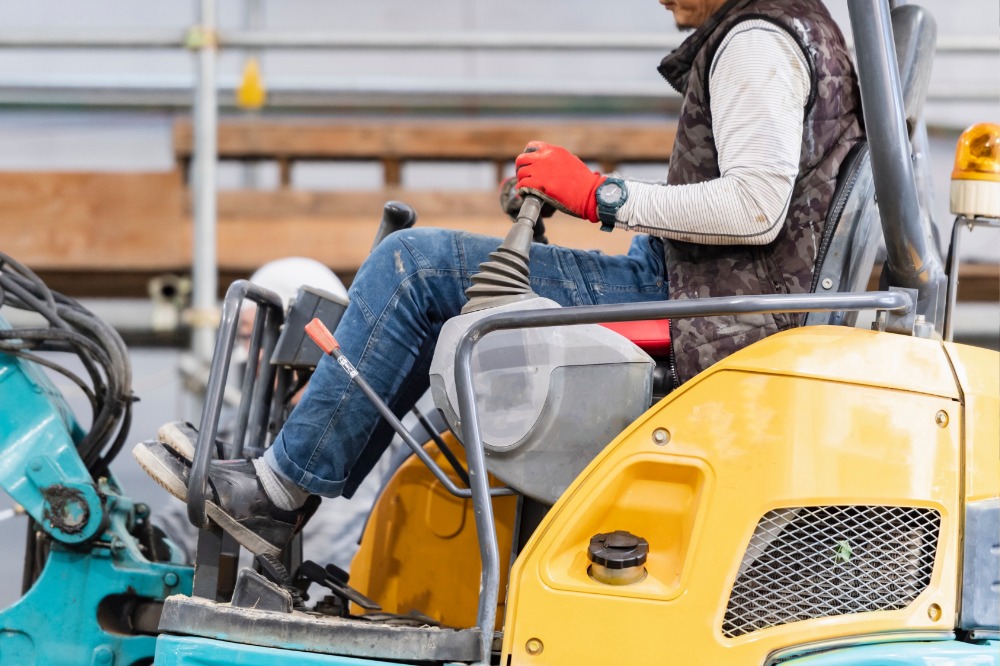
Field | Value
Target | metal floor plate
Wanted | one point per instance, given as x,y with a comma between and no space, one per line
317,633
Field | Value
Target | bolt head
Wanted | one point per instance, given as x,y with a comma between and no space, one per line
661,436
827,283
534,646
941,418
170,579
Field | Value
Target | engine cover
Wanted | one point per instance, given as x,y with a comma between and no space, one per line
548,399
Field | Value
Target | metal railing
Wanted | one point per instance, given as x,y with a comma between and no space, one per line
961,222
258,386
288,92
167,38
382,93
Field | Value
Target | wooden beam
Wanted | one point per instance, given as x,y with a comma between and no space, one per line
337,228
284,173
96,231
95,221
392,172
977,283
115,223
276,205
613,142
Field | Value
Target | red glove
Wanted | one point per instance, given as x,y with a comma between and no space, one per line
560,177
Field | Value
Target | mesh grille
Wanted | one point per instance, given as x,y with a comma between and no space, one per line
821,561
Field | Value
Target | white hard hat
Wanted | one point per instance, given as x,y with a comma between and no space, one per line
285,276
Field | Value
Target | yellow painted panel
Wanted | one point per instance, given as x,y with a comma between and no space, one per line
657,496
978,373
419,550
742,444
844,354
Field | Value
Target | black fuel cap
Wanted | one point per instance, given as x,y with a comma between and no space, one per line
618,550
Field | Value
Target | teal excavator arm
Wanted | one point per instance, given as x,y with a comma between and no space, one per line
96,572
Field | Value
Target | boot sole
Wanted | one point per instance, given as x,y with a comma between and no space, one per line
167,480
174,437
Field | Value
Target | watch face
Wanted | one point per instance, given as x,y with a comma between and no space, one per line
610,193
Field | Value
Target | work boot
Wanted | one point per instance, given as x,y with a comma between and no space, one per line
236,500
179,436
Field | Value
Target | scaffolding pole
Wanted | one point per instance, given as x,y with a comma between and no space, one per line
204,269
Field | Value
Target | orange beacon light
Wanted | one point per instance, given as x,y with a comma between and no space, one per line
975,182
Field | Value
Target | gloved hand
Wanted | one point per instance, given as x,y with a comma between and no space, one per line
560,178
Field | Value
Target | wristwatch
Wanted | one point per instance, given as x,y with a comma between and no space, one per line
611,195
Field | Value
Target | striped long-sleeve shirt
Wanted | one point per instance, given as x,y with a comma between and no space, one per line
758,86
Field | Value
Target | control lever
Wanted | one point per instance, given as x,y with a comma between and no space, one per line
335,580
396,216
322,336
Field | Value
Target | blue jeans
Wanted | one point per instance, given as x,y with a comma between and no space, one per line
410,285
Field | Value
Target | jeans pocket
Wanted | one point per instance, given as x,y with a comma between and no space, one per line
641,271
564,292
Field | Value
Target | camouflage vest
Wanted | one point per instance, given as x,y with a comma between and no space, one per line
832,125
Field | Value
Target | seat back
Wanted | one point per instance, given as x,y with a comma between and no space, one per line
853,231
844,261
851,237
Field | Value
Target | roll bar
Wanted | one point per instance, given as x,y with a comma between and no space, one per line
912,261
256,401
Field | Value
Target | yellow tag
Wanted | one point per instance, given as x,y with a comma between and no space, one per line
252,94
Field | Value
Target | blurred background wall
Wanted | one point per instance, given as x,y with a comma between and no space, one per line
111,110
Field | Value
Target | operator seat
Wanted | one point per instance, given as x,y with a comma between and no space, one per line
850,239
844,261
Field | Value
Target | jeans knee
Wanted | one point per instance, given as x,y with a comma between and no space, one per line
399,259
385,250
420,248
390,262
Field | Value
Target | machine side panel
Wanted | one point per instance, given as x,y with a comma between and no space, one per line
418,547
978,372
852,355
698,473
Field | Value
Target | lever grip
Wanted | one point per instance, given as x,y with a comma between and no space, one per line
322,336
396,216
531,210
338,574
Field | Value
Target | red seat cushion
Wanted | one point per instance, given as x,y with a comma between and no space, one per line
652,336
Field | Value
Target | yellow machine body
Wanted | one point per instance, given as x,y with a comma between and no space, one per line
813,417
978,377
419,551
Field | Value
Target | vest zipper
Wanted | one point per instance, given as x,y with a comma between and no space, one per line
674,380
